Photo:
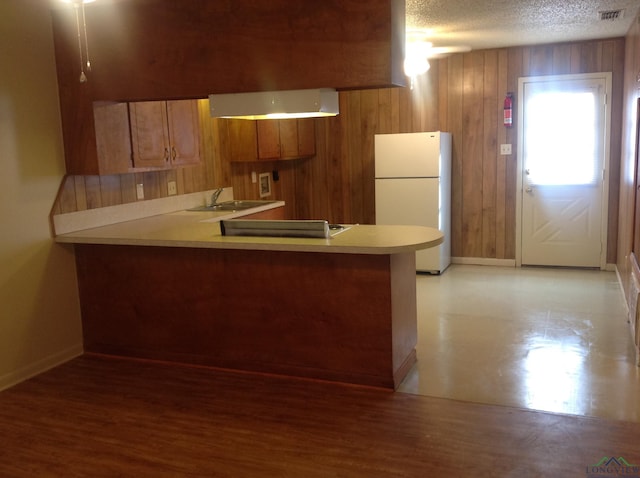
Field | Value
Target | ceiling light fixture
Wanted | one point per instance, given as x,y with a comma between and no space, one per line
311,103
416,54
415,60
418,51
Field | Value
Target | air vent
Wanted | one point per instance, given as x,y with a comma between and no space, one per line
611,15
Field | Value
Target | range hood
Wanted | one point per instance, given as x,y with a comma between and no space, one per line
275,104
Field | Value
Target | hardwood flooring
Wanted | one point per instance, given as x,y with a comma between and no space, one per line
99,416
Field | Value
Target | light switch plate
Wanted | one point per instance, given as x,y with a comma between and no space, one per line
140,191
505,149
172,189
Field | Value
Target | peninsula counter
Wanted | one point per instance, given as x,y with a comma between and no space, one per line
170,287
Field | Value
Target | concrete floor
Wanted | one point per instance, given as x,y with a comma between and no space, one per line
544,339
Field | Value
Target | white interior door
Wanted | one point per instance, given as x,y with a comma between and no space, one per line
563,165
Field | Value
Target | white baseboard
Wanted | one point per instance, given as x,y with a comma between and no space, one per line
42,365
483,261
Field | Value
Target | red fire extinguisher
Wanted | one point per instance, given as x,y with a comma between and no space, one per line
508,110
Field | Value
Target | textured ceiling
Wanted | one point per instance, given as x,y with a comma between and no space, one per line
498,23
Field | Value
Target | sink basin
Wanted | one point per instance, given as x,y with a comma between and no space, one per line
238,205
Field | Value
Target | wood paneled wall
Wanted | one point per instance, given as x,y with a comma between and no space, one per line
462,94
484,183
629,226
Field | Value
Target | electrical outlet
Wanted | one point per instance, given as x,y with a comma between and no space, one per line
505,149
172,189
140,191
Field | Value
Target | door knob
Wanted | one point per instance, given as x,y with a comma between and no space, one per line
528,190
527,172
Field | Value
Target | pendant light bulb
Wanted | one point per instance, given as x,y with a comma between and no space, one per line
415,61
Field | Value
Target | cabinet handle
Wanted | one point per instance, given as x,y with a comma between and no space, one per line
173,153
166,154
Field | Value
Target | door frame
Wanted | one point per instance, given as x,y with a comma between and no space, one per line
607,151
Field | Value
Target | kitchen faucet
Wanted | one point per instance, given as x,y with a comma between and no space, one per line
215,195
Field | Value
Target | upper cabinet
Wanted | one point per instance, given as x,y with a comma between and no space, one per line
142,136
286,139
113,140
164,133
270,139
145,50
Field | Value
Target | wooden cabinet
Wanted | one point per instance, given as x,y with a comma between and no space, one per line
164,133
148,135
305,335
242,142
193,49
272,214
113,138
271,139
268,134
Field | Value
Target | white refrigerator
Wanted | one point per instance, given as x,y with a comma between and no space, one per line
413,187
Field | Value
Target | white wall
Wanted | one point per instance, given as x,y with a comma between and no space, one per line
39,308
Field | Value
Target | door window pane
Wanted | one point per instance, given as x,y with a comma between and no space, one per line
561,148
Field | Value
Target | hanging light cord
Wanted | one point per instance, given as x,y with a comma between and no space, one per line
77,5
83,77
86,41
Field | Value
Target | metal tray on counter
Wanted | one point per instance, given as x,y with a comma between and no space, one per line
275,228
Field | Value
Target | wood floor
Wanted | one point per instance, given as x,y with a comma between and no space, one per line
97,416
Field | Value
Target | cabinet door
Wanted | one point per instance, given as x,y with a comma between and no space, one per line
288,138
113,137
149,134
306,137
242,141
268,139
184,132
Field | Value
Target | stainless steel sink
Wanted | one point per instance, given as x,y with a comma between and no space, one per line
238,205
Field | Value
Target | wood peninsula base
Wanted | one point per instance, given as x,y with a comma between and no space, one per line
342,317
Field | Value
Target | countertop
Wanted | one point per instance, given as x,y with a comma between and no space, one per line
202,230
